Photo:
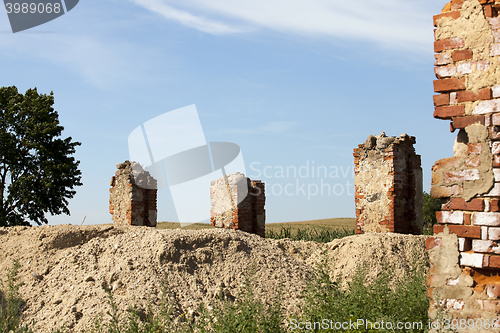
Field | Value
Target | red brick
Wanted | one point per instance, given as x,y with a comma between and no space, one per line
461,55
494,132
448,112
461,175
486,261
463,122
465,231
442,59
437,228
454,15
489,11
433,242
491,219
495,207
450,217
467,220
447,85
494,22
461,204
474,148
440,100
496,161
446,191
494,262
470,96
445,71
460,230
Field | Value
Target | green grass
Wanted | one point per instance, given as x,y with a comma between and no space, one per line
310,234
332,223
374,302
342,222
11,302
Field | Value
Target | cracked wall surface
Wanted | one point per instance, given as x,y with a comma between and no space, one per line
238,203
388,185
132,197
465,250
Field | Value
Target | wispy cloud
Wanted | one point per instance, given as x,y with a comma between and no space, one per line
388,23
184,17
100,62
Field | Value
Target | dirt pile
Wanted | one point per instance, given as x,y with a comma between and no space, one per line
65,269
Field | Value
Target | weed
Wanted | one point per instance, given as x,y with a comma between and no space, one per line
247,314
10,302
366,304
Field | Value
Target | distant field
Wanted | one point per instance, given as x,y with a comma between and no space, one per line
342,222
347,223
175,225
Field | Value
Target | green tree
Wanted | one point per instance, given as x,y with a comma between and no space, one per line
429,208
37,172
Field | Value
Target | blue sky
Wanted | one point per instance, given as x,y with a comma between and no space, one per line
295,83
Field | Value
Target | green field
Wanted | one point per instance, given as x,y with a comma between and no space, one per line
347,223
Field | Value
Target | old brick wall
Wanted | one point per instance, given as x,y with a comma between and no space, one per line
465,255
388,185
132,197
238,203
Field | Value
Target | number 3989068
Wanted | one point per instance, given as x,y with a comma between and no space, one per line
27,8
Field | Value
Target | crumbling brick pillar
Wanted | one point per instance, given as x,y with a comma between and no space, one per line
132,198
238,203
465,249
388,185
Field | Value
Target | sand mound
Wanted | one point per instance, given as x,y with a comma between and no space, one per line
65,269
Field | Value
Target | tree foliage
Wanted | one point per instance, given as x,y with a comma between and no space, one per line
429,208
37,171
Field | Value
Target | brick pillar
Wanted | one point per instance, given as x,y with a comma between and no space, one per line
388,185
132,198
465,251
238,203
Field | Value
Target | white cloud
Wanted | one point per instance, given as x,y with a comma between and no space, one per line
99,62
388,23
183,17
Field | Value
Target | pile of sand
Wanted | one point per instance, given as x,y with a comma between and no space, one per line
65,269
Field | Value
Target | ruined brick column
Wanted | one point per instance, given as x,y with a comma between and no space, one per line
238,203
388,185
465,250
132,198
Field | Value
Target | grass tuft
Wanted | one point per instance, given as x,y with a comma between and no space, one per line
11,302
374,302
